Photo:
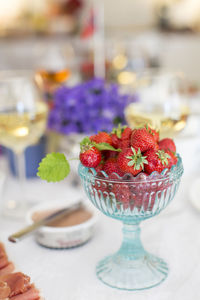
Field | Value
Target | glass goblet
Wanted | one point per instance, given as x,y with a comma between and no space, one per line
131,200
163,103
22,122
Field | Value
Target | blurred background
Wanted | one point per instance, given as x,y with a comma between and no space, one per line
161,33
95,64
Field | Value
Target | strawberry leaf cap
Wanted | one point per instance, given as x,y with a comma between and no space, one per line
163,156
85,141
86,144
150,130
118,131
137,159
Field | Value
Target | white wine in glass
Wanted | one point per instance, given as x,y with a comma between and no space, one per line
169,125
18,131
22,122
162,104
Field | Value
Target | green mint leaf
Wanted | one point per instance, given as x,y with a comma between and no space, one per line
105,146
54,167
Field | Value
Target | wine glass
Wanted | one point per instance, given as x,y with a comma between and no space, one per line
51,73
22,122
131,200
163,103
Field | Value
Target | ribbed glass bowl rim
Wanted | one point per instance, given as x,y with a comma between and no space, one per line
176,171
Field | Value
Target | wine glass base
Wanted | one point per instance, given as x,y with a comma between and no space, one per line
139,274
16,209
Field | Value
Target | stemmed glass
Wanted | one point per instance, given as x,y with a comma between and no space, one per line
162,102
51,72
131,200
22,122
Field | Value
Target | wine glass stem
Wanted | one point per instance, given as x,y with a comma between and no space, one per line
21,172
131,248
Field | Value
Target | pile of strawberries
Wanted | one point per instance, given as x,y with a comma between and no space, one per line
128,151
123,152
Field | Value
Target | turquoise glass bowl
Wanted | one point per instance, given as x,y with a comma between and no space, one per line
131,200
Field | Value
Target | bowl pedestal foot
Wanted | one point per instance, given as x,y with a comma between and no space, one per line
132,268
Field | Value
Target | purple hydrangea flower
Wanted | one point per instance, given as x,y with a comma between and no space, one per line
88,108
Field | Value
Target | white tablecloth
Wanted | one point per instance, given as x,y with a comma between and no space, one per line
70,274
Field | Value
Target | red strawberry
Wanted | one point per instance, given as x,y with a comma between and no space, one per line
109,153
154,133
122,194
126,134
101,137
90,156
142,139
167,144
100,188
111,166
172,160
119,130
143,195
99,168
130,161
121,137
124,141
156,147
157,161
115,140
123,144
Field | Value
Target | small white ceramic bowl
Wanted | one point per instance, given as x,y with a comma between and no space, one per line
63,237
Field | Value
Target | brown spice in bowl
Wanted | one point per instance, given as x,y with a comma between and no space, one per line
76,217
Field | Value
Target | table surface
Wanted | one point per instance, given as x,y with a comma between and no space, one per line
70,274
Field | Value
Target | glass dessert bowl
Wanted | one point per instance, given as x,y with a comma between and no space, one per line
131,200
